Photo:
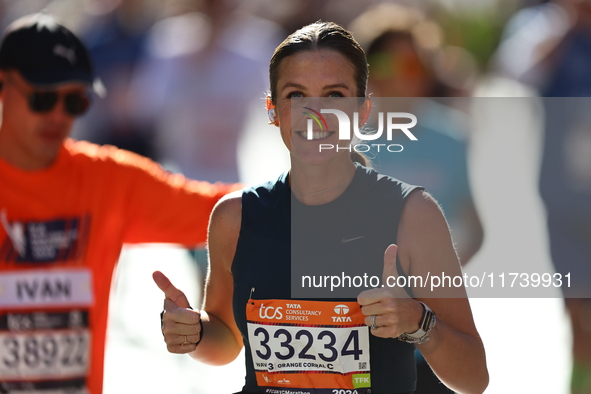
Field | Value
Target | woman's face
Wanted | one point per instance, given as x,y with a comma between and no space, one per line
312,74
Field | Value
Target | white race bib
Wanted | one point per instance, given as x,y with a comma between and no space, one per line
45,339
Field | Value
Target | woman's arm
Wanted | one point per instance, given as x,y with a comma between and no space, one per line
221,340
454,351
225,340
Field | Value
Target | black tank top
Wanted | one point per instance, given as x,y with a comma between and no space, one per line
263,257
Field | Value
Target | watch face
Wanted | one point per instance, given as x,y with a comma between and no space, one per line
427,318
429,321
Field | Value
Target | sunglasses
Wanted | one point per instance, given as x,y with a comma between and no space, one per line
75,103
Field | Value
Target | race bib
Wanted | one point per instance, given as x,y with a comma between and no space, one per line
45,338
309,346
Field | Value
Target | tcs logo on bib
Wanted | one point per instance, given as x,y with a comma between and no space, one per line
270,312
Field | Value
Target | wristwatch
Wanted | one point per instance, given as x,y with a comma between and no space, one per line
422,334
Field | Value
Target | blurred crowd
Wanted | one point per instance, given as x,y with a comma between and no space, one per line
185,77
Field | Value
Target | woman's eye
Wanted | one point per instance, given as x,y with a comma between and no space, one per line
294,94
335,94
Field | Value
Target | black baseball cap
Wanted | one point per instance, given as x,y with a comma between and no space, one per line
46,53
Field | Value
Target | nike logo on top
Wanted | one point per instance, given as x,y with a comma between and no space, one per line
345,240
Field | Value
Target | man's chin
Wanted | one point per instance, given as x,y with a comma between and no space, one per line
49,148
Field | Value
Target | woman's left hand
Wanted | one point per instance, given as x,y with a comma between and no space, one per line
395,312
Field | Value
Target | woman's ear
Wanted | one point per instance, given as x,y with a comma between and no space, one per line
364,111
271,112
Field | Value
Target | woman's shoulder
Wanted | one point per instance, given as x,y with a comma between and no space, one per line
421,208
228,210
422,227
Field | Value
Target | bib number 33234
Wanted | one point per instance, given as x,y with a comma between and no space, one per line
318,346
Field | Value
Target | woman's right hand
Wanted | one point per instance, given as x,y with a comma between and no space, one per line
181,325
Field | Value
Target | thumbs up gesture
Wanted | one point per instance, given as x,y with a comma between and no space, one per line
389,310
181,325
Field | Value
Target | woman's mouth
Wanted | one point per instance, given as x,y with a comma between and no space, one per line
316,135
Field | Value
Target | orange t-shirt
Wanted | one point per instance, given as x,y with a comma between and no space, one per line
61,232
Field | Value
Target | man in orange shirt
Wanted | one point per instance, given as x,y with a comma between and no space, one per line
66,209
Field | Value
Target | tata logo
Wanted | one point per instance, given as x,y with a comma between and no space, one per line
342,319
345,129
341,309
270,312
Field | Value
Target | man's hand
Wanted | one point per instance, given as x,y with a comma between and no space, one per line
181,325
